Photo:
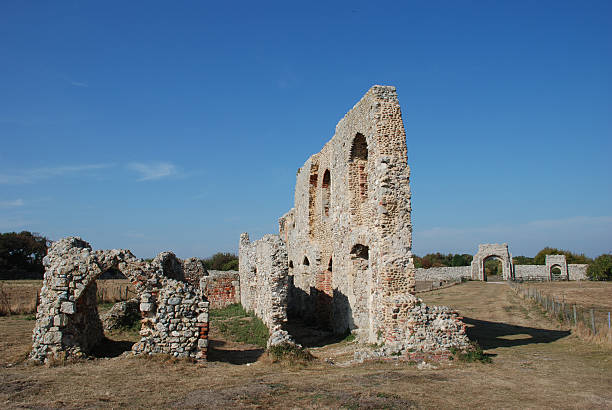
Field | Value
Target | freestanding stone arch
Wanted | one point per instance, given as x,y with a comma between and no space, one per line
174,312
488,250
558,261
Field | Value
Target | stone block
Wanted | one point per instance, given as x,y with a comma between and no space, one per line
60,320
68,308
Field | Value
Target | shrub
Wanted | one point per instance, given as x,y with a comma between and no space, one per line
601,268
289,353
474,354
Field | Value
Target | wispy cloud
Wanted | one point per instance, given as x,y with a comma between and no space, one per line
589,234
11,204
36,174
79,84
153,171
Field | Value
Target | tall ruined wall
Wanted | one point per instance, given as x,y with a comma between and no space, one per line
349,234
175,315
443,273
221,288
264,279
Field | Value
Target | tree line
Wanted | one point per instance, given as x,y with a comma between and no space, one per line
21,256
599,268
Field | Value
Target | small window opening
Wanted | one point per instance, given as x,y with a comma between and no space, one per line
360,251
306,261
330,265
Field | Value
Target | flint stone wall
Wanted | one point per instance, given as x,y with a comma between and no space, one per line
577,271
349,236
193,271
542,272
174,313
221,288
443,273
264,283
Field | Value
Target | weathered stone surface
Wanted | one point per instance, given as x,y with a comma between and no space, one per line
69,287
221,288
121,314
343,255
492,250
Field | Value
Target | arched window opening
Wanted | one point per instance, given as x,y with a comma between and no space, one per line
330,265
306,262
359,149
326,193
358,171
312,197
291,264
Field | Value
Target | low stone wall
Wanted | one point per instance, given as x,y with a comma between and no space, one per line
577,271
221,288
531,272
443,273
264,279
174,313
541,272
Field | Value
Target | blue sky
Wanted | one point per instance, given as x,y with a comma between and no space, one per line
175,126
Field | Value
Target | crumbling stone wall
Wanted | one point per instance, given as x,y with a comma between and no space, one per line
221,288
174,313
349,236
193,271
443,273
264,282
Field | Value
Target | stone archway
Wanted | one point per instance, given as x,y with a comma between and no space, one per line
556,261
486,251
67,320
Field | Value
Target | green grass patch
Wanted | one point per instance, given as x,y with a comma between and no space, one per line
239,325
289,353
475,354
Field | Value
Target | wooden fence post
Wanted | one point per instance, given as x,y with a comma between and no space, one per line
593,322
575,317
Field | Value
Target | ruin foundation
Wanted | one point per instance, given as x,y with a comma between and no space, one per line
174,313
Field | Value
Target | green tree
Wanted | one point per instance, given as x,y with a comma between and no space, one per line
523,260
540,258
221,261
600,268
21,255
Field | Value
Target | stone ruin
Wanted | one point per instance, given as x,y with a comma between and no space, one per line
510,271
342,258
174,312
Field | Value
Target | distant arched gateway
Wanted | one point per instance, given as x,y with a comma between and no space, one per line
488,250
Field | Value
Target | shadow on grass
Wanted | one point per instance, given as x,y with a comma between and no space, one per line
491,335
311,336
233,356
111,348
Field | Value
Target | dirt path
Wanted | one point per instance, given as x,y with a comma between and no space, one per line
536,365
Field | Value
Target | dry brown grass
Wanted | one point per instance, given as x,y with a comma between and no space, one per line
536,364
20,296
597,295
587,297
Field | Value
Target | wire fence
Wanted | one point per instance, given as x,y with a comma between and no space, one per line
591,322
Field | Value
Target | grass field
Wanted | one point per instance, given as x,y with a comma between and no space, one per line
19,296
536,364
